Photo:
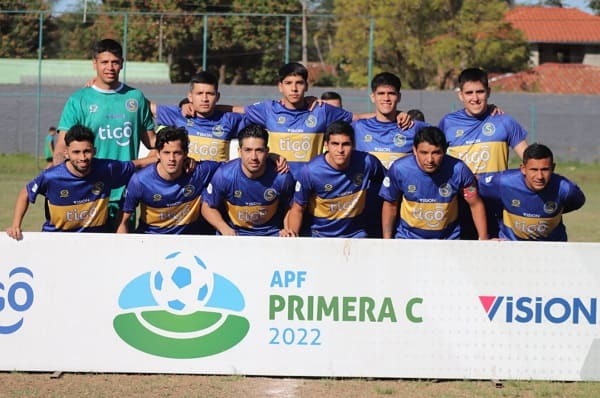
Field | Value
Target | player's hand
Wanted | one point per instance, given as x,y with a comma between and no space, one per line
190,165
312,102
187,110
404,120
15,232
495,110
281,163
90,82
228,232
286,233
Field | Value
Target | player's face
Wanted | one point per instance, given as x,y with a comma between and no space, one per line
333,102
79,156
107,66
386,99
171,158
339,150
203,98
429,157
537,173
293,89
253,154
474,96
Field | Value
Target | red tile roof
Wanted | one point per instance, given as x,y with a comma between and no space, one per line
555,24
551,78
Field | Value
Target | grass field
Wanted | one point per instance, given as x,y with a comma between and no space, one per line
17,170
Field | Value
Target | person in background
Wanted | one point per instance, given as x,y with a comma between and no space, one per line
49,146
332,98
416,114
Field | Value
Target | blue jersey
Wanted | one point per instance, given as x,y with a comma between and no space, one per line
481,142
79,204
429,202
250,206
209,136
530,215
169,207
337,200
297,135
385,140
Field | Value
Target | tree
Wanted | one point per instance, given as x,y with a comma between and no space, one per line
595,6
19,30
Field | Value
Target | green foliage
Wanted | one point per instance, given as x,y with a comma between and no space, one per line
19,31
595,6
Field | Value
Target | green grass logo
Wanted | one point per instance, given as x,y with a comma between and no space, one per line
181,310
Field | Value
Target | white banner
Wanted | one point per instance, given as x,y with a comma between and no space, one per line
299,307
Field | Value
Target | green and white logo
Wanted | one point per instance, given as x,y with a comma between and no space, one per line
181,310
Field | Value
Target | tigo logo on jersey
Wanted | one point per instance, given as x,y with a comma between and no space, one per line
16,297
181,310
511,309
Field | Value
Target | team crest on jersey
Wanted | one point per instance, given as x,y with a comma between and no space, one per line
445,190
98,188
386,182
131,105
368,138
488,129
281,120
270,194
64,193
237,194
93,108
358,179
218,131
459,133
399,140
550,207
412,188
515,203
156,197
311,121
328,187
188,190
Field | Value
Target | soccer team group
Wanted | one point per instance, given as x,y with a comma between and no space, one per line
305,168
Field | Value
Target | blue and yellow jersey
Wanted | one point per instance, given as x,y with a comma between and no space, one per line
169,207
481,142
117,117
79,204
385,140
336,200
429,202
297,135
250,206
529,215
209,136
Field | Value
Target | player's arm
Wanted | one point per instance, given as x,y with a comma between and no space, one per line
187,110
214,218
281,163
152,106
122,228
143,162
294,218
21,206
477,211
402,118
520,148
575,199
60,148
389,211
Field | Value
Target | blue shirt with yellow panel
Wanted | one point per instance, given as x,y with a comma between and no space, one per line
169,207
337,200
295,134
250,206
429,202
79,204
530,215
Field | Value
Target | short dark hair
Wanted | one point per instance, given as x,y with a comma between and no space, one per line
79,133
253,131
170,134
292,69
537,151
331,95
416,114
51,128
386,79
431,135
108,45
204,77
339,127
473,75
